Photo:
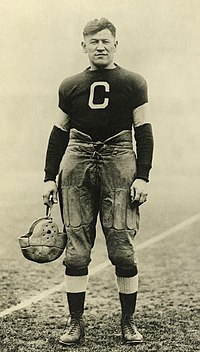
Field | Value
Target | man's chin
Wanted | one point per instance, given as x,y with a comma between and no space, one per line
101,64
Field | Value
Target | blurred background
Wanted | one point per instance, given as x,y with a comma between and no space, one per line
40,46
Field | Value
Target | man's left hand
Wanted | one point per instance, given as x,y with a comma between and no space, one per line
139,192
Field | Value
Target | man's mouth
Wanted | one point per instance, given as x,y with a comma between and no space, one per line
101,55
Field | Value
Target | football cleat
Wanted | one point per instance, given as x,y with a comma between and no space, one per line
130,334
75,332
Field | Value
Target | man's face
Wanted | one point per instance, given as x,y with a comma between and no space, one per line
100,48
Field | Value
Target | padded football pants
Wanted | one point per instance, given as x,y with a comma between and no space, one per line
95,178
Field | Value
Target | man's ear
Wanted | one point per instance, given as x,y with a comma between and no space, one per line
116,45
84,47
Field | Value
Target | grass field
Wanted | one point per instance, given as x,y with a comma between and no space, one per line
167,310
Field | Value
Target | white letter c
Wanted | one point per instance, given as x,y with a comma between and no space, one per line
91,98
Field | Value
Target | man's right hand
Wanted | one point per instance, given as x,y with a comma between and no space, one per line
50,193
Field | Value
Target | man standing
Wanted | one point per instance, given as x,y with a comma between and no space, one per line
100,173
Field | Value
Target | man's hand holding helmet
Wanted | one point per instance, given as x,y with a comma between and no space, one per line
50,193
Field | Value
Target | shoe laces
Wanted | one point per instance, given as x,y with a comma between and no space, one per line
73,323
128,323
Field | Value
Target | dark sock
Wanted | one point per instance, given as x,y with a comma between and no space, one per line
128,303
76,302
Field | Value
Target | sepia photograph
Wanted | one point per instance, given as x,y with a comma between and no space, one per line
100,175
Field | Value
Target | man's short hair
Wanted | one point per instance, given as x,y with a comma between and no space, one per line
96,25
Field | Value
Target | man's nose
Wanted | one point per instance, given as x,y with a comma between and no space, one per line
100,45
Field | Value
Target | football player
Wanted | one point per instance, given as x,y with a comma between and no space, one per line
100,172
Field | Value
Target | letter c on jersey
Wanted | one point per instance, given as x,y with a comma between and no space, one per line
92,92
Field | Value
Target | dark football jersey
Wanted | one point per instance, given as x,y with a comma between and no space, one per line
100,103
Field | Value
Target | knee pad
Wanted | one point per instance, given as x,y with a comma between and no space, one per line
121,249
78,248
